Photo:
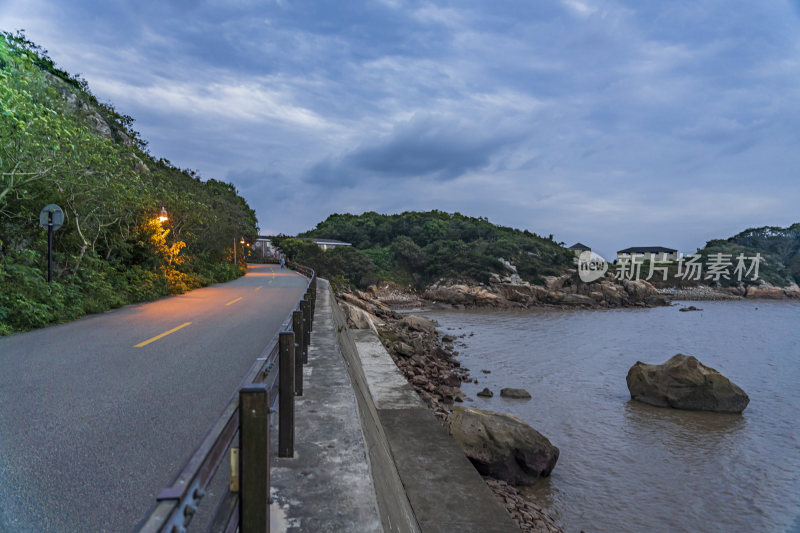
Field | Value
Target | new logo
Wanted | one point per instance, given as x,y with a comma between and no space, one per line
591,266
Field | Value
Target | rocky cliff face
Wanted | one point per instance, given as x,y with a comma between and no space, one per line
92,116
84,110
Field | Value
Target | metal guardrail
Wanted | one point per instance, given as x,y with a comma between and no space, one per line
276,376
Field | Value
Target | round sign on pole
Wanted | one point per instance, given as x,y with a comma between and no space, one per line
57,216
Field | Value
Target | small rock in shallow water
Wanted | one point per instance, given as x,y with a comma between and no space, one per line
515,393
486,393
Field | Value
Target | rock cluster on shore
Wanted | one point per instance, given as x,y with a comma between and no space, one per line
763,291
414,344
529,516
697,293
767,291
563,291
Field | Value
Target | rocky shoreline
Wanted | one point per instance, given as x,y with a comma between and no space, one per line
529,516
565,292
765,291
558,292
428,361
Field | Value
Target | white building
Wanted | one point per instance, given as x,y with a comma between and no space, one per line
264,249
646,252
327,244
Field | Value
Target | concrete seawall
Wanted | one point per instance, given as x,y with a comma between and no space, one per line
422,479
369,455
395,509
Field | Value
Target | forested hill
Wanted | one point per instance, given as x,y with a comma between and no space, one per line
59,145
419,248
779,247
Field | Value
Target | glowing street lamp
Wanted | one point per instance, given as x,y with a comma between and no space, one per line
241,241
163,216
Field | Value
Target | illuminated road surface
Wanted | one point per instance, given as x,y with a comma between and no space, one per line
97,415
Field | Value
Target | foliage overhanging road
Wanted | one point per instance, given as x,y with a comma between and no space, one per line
94,419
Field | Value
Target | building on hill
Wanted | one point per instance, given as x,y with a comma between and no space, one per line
579,248
327,244
661,253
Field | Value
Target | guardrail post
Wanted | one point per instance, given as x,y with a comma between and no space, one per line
306,310
297,327
254,459
313,298
286,392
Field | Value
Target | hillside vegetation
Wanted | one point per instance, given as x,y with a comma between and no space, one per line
418,248
779,247
58,144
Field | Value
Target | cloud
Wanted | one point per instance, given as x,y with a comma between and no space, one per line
589,119
582,9
231,99
429,146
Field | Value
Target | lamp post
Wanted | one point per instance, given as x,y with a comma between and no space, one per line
243,243
51,218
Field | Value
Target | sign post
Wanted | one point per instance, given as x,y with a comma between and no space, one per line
51,218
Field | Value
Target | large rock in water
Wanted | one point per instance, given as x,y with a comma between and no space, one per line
683,382
502,446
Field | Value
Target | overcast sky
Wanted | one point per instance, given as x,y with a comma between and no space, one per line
611,123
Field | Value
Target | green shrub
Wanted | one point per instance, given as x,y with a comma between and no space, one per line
420,247
111,250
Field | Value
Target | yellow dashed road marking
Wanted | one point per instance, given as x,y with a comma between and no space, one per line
233,301
154,339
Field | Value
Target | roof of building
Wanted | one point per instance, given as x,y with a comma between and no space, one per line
578,246
647,250
333,242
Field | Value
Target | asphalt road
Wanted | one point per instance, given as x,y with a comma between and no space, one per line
92,426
